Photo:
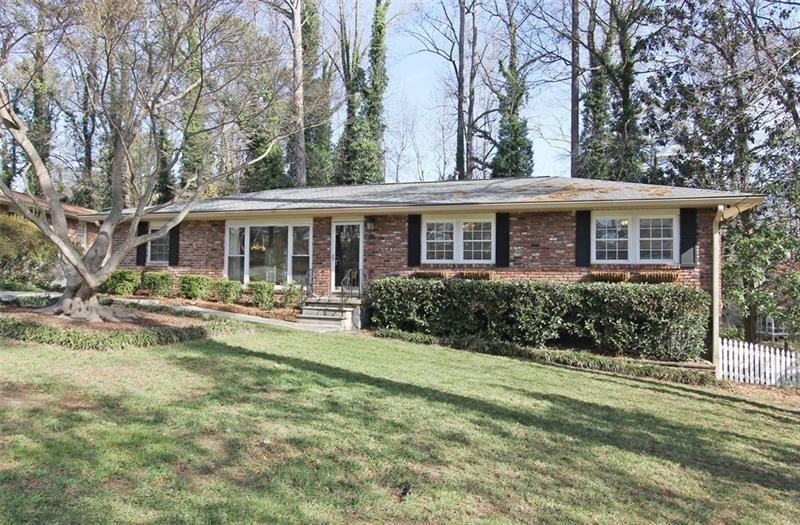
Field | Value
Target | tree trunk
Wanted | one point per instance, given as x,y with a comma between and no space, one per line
574,135
460,96
297,95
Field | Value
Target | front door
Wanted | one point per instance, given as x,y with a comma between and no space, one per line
346,257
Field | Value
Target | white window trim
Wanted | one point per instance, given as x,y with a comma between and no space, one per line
458,238
83,233
633,235
290,246
155,226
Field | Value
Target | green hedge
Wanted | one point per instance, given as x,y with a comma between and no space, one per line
122,282
662,321
228,291
195,286
263,294
574,359
291,296
158,284
82,339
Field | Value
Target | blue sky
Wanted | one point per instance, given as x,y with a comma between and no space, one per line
415,86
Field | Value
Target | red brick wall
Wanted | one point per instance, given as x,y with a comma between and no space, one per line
542,246
201,250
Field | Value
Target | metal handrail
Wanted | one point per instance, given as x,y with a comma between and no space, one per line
348,291
311,277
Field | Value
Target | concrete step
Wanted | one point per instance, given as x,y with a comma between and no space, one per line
328,311
339,323
333,300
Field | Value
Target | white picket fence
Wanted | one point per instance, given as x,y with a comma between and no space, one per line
760,364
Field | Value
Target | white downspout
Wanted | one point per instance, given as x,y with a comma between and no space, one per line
716,288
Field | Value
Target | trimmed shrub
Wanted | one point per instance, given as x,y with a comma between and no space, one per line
570,358
158,284
529,312
195,286
122,282
291,296
27,257
656,321
228,291
263,294
662,321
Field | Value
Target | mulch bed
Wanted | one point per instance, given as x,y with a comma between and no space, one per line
138,319
284,314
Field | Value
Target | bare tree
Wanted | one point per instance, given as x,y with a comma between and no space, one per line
141,46
292,10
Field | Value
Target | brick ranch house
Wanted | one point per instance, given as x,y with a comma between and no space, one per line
81,222
527,228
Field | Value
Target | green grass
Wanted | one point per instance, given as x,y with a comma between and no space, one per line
282,426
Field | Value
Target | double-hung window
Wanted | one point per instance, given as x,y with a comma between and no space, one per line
635,238
158,249
458,240
278,253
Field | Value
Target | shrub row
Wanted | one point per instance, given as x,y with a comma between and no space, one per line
199,287
81,339
661,321
575,359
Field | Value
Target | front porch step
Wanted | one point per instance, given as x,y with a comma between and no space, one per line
328,311
333,300
340,322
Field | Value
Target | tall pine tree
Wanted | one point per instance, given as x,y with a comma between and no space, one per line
514,156
361,144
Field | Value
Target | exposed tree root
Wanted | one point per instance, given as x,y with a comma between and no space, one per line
85,310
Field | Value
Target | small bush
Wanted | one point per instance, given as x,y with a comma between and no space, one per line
195,287
122,282
82,339
263,294
158,284
228,291
571,358
291,296
658,321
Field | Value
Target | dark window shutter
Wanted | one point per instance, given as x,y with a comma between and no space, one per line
502,244
174,243
141,250
414,239
583,238
688,241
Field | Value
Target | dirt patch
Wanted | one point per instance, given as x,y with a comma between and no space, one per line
133,320
284,314
28,397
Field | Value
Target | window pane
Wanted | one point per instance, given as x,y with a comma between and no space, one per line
611,240
477,241
269,253
235,241
159,248
300,266
439,240
236,268
300,243
656,239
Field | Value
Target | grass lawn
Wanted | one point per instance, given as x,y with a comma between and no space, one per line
283,426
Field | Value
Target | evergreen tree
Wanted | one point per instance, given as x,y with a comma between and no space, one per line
514,156
165,184
268,173
595,147
361,145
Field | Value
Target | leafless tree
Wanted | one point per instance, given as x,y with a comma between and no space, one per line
140,46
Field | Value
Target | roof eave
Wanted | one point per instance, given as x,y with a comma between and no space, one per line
737,202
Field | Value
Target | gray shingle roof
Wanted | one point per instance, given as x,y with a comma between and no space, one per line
527,192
